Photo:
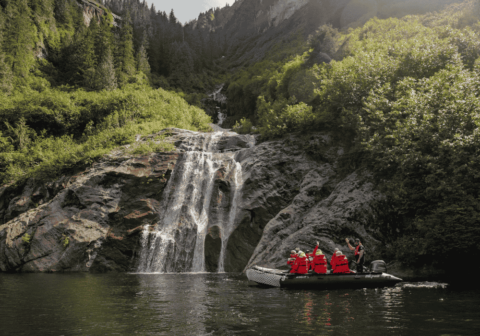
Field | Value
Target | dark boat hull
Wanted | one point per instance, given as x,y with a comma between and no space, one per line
276,278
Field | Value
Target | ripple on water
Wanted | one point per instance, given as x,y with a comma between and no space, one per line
222,304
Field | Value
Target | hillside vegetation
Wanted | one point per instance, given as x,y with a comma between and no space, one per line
406,94
70,93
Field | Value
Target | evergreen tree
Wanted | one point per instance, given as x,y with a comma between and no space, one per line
142,58
105,75
86,55
103,39
125,60
172,19
19,39
182,64
5,71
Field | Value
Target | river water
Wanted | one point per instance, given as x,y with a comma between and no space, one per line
223,304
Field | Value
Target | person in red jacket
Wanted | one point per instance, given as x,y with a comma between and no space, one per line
292,261
341,264
310,259
319,263
293,256
334,256
301,264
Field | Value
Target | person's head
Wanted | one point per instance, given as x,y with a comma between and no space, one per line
297,249
293,252
319,252
302,254
338,253
357,242
335,250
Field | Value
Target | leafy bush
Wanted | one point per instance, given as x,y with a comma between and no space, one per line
49,132
245,126
406,92
65,241
26,239
144,148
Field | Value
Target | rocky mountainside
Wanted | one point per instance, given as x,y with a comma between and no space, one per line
252,27
292,193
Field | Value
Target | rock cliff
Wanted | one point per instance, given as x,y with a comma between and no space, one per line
293,192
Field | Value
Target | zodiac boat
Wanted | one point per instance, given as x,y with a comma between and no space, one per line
278,278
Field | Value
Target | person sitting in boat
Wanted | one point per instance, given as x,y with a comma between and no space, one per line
332,260
310,256
293,256
340,265
301,264
319,263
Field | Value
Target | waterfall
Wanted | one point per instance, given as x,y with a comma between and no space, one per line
228,228
222,99
176,243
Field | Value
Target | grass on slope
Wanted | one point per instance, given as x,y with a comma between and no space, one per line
46,132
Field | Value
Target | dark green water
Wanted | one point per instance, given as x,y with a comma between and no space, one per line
212,304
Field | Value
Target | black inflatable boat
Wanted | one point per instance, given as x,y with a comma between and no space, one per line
278,278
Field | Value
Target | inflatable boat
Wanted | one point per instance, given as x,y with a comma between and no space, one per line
279,278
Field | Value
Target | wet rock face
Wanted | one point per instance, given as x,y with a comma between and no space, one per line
88,222
227,204
290,200
213,245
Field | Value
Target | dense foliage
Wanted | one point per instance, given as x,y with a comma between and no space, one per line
54,130
71,92
407,94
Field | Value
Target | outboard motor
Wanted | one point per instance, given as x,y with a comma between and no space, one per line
378,266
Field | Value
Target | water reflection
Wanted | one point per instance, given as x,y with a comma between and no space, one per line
212,304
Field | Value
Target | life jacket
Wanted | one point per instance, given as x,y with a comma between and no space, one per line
302,265
332,261
310,261
341,265
357,253
319,264
356,250
294,266
291,260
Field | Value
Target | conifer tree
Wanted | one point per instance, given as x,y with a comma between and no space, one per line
105,74
125,60
142,58
5,71
103,39
19,39
87,56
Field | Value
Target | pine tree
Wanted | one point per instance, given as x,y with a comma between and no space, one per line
125,60
142,58
19,39
105,75
86,55
6,76
172,19
103,39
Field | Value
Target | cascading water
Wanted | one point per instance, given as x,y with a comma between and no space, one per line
176,243
221,100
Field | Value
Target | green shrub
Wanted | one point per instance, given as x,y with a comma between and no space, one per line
26,239
405,92
65,241
148,147
245,126
58,130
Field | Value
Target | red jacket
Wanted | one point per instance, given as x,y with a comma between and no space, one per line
332,261
319,264
300,266
341,265
291,262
